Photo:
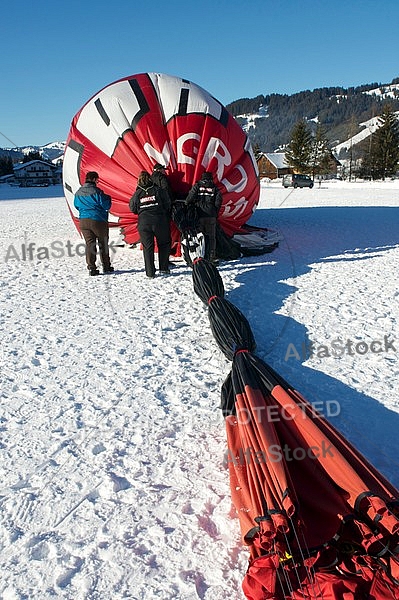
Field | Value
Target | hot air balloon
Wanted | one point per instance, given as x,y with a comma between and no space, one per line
140,120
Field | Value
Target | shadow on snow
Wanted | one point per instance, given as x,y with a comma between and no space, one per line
316,235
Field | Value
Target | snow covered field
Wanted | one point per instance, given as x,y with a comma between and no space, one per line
112,480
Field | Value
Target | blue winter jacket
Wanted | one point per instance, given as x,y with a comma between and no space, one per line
92,202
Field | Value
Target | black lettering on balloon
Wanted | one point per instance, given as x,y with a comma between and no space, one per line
142,102
101,112
183,102
78,149
183,107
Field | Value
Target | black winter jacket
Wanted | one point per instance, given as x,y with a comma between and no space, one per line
207,198
150,201
161,180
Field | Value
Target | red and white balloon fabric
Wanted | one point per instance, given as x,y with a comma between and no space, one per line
149,118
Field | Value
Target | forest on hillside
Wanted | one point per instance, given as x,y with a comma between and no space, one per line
339,110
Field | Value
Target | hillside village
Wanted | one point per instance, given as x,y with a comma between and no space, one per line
349,117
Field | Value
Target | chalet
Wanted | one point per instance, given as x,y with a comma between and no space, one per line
34,173
272,165
335,164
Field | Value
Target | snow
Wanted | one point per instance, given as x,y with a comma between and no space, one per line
112,443
385,91
369,127
252,118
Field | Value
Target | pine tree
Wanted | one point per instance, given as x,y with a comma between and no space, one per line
299,150
6,165
257,151
387,141
320,153
382,159
34,155
368,165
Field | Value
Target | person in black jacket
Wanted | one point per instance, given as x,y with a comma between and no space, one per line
160,179
152,205
207,198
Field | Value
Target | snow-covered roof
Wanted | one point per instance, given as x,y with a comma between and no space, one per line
32,162
277,159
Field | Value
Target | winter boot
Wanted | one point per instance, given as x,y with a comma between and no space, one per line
213,259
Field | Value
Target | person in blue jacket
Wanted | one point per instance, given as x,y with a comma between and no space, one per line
93,206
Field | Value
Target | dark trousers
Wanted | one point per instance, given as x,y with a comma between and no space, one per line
95,232
158,228
208,228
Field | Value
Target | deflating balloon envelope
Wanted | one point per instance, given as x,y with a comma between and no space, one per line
140,120
206,280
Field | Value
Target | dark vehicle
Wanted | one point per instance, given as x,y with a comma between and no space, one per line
297,180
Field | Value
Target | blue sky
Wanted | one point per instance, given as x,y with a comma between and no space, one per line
56,55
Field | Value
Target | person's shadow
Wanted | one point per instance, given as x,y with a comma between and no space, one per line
315,235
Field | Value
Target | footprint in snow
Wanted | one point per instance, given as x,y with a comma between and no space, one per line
98,448
197,579
113,484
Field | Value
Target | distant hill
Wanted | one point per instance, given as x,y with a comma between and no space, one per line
48,152
344,112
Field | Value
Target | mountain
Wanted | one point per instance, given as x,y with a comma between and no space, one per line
345,113
48,152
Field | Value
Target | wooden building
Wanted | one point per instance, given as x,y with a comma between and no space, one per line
34,173
272,165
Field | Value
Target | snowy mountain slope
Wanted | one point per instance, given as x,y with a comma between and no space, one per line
369,127
385,91
269,120
49,151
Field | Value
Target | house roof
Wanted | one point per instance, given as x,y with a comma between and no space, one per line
32,162
277,159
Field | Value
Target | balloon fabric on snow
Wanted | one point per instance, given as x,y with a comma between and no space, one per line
320,521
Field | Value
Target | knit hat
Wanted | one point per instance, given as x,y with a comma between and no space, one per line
158,166
207,175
